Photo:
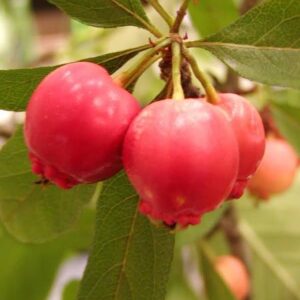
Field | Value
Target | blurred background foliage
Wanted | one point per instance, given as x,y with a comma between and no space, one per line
34,33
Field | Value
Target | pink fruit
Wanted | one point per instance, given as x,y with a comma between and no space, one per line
75,125
249,132
277,170
182,158
234,274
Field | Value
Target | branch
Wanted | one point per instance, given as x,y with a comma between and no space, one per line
246,5
180,15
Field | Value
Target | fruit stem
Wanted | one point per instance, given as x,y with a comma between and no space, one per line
162,12
180,15
211,93
178,93
125,78
142,69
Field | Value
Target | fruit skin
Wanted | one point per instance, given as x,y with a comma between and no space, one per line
75,124
182,158
234,274
249,130
277,170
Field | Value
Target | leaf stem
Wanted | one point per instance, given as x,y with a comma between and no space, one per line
178,93
162,12
155,31
125,78
211,93
150,27
193,44
180,15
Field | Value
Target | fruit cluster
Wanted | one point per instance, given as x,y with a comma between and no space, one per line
184,158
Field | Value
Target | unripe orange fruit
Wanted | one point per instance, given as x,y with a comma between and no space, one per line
277,170
234,274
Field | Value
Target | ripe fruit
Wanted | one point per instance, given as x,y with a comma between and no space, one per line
75,125
182,158
277,170
234,274
249,132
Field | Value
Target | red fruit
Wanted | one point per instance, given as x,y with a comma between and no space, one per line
277,170
75,125
249,131
234,274
182,158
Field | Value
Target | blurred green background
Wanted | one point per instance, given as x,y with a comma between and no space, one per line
34,33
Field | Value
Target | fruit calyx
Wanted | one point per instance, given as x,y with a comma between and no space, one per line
51,173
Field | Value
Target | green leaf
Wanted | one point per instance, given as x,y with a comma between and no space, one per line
27,270
130,257
105,13
71,290
273,233
33,212
194,233
209,17
80,236
16,86
264,44
215,286
31,269
270,280
286,113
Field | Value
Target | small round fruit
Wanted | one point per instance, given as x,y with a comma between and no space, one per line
75,125
182,158
234,274
277,170
249,131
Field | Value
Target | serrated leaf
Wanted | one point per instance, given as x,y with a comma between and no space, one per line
286,113
209,17
264,44
105,13
16,86
31,269
215,286
130,257
272,231
33,212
